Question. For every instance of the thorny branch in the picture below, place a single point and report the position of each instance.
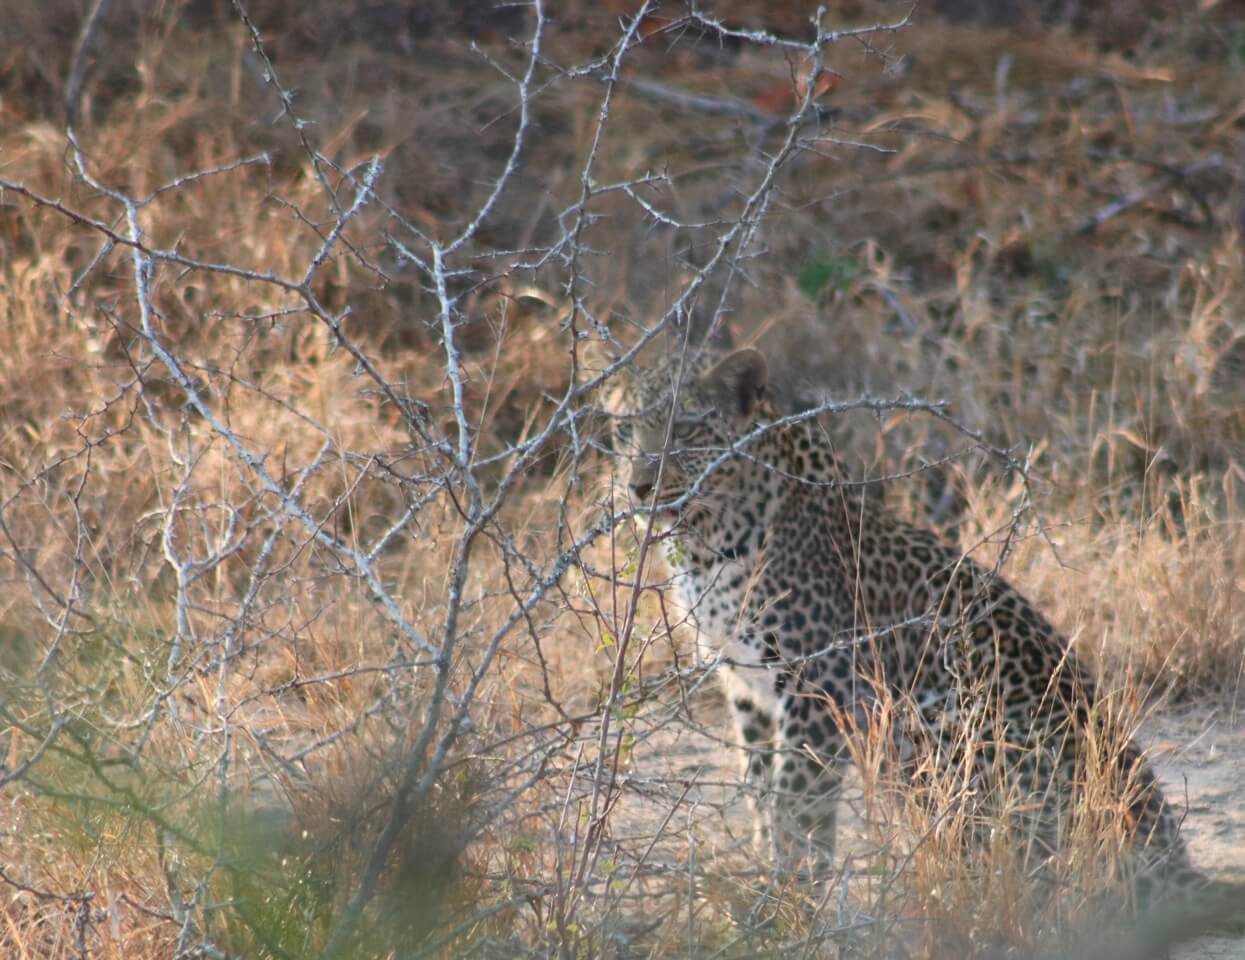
(261, 543)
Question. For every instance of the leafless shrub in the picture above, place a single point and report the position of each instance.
(324, 635)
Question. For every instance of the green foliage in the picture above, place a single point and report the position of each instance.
(282, 896)
(1236, 45)
(833, 273)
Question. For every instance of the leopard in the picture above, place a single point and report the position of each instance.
(817, 604)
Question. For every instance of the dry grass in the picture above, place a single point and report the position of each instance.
(955, 267)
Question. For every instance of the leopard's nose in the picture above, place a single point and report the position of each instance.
(641, 489)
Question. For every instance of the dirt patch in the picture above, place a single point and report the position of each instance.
(1200, 757)
(1198, 754)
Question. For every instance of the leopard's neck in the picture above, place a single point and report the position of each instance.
(778, 468)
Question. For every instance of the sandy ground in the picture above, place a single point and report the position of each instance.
(1200, 757)
(1199, 754)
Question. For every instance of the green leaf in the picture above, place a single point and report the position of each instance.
(818, 274)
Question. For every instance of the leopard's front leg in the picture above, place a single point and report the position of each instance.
(806, 780)
(754, 730)
(792, 754)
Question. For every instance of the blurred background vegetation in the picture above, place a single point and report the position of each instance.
(1032, 211)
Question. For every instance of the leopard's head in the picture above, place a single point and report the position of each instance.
(673, 421)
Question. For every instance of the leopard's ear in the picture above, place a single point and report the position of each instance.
(738, 382)
(593, 356)
(613, 395)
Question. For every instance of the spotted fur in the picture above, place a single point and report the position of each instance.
(818, 602)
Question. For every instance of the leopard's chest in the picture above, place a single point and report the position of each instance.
(715, 599)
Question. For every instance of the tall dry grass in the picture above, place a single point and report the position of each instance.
(219, 768)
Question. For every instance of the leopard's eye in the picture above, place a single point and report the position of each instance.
(622, 431)
(684, 429)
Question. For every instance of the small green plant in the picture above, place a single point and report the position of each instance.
(819, 274)
(1236, 45)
